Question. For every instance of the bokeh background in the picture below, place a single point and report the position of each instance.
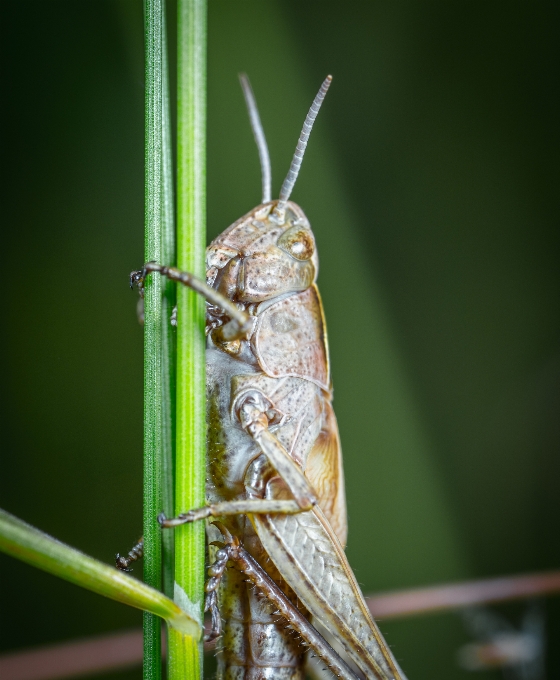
(431, 181)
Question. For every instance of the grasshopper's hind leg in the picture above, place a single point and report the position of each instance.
(215, 572)
(247, 565)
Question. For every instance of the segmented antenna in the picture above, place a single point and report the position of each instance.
(258, 133)
(293, 172)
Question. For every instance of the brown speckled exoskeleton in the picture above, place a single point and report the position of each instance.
(275, 480)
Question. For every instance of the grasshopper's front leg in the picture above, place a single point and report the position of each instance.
(237, 328)
(252, 407)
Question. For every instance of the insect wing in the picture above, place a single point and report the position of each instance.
(324, 471)
(309, 557)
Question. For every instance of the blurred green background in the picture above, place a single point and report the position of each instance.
(431, 182)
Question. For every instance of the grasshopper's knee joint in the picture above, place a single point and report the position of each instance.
(233, 331)
(256, 412)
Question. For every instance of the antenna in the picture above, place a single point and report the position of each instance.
(291, 177)
(258, 133)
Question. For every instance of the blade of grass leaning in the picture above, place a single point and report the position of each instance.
(153, 341)
(185, 655)
(169, 348)
(26, 543)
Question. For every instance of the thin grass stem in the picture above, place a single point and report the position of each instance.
(169, 346)
(26, 543)
(153, 336)
(185, 655)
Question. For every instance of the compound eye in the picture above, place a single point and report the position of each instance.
(298, 242)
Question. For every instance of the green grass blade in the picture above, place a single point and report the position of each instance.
(153, 340)
(30, 545)
(185, 660)
(169, 345)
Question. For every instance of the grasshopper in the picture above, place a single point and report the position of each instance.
(275, 479)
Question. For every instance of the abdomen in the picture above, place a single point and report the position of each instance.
(255, 644)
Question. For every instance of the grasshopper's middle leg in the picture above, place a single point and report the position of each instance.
(258, 473)
(251, 411)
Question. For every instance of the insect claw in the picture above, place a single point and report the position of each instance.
(137, 278)
(122, 563)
